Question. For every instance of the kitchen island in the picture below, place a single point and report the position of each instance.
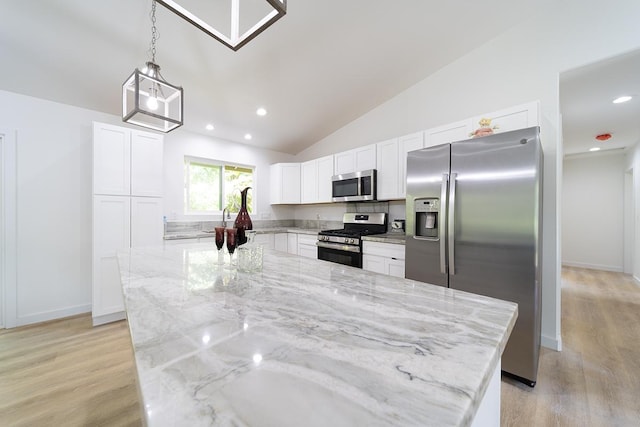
(305, 342)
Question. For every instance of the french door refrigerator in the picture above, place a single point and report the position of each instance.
(474, 223)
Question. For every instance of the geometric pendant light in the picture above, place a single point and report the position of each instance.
(147, 99)
(229, 22)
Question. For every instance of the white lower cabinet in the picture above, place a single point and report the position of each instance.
(111, 232)
(307, 246)
(280, 242)
(292, 243)
(266, 240)
(119, 222)
(384, 258)
(146, 221)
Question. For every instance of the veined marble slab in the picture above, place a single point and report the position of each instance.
(304, 343)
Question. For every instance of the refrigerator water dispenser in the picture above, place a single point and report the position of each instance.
(427, 213)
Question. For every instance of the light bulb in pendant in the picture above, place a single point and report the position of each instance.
(152, 100)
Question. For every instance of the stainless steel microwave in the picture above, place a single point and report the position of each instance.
(354, 187)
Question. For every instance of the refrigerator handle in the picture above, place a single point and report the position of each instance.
(441, 223)
(451, 220)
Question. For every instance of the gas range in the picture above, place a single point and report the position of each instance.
(345, 245)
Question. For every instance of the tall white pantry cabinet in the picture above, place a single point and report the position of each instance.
(127, 208)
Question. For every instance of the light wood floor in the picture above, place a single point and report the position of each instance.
(595, 380)
(66, 373)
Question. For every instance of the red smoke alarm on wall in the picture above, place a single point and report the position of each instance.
(603, 136)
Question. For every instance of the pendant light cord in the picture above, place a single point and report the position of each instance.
(154, 32)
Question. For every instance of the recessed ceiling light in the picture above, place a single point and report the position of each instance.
(247, 136)
(621, 99)
(210, 127)
(261, 111)
(594, 149)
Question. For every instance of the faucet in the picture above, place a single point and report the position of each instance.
(224, 221)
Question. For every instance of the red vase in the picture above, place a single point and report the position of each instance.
(243, 220)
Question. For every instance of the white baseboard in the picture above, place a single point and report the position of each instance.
(551, 343)
(52, 315)
(108, 318)
(617, 269)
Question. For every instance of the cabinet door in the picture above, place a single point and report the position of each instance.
(285, 183)
(111, 160)
(146, 164)
(513, 118)
(265, 239)
(395, 267)
(309, 182)
(373, 263)
(307, 245)
(365, 158)
(291, 183)
(414, 141)
(356, 160)
(111, 228)
(147, 228)
(325, 172)
(458, 131)
(345, 162)
(388, 169)
(280, 242)
(292, 243)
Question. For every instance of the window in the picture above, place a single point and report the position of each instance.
(211, 186)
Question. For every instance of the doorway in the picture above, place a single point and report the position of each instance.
(592, 121)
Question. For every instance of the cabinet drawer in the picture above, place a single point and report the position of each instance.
(387, 250)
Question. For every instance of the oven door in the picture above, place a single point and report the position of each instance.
(341, 254)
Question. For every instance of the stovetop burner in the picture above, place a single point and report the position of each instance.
(356, 225)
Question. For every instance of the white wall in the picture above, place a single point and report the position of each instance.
(53, 206)
(592, 211)
(633, 162)
(54, 198)
(179, 144)
(520, 65)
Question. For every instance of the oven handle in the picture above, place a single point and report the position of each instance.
(339, 247)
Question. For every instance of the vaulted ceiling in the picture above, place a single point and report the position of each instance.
(318, 68)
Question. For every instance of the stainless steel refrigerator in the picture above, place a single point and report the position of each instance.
(474, 223)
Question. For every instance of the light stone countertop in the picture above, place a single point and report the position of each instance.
(304, 342)
(180, 235)
(391, 237)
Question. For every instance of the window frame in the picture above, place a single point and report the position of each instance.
(188, 160)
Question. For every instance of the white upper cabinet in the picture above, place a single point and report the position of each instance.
(411, 142)
(513, 118)
(388, 166)
(111, 160)
(458, 131)
(325, 173)
(358, 159)
(309, 181)
(285, 183)
(146, 164)
(315, 179)
(126, 162)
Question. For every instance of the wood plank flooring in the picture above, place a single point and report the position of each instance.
(595, 380)
(67, 373)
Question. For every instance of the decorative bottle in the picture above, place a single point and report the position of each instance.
(243, 220)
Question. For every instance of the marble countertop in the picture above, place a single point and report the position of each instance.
(391, 237)
(304, 342)
(210, 233)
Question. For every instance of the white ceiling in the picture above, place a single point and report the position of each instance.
(586, 96)
(318, 68)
